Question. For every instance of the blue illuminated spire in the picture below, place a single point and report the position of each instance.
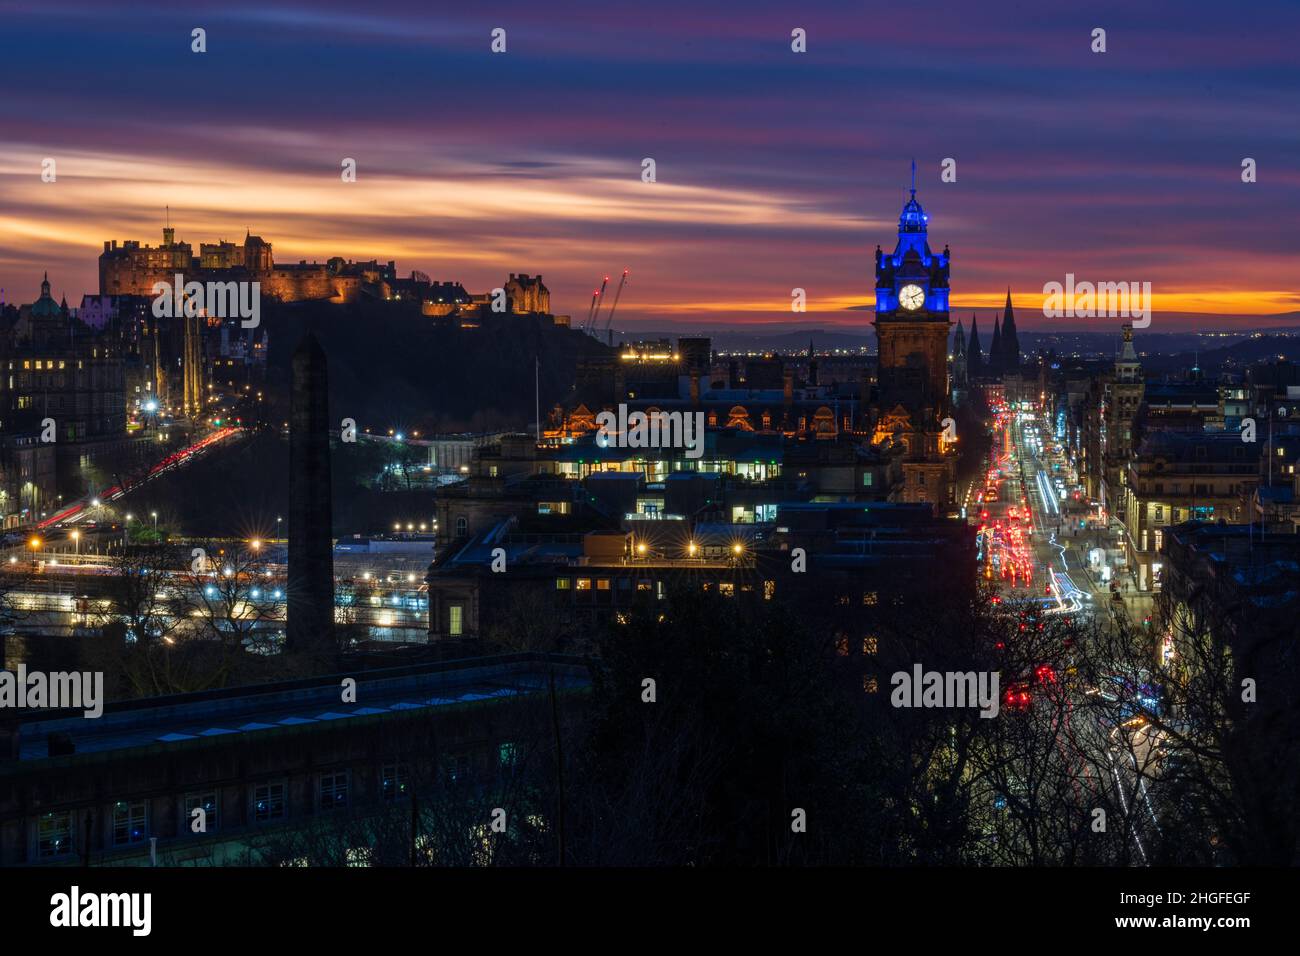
(913, 218)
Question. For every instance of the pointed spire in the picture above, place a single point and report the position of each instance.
(974, 357)
(1010, 338)
(995, 347)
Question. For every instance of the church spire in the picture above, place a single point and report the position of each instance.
(974, 358)
(1010, 339)
(995, 347)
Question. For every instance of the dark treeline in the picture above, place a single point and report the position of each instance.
(766, 740)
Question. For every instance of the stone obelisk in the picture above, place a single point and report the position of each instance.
(311, 544)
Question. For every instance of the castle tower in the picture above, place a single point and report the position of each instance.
(310, 627)
(912, 329)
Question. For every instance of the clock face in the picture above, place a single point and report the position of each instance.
(912, 297)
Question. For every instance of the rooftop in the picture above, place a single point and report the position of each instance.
(190, 719)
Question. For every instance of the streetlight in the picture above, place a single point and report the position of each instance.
(76, 540)
(154, 515)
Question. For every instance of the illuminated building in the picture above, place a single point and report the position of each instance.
(132, 269)
(1176, 477)
(912, 328)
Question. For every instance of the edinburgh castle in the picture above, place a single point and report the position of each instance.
(132, 269)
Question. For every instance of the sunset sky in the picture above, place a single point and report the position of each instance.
(775, 169)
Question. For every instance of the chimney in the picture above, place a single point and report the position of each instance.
(107, 245)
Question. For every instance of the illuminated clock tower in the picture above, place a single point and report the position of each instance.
(912, 329)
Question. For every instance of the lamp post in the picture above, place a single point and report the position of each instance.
(76, 540)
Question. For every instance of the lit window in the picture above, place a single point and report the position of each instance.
(602, 584)
(456, 620)
(869, 645)
(842, 646)
(869, 598)
(769, 588)
(869, 683)
(130, 822)
(562, 584)
(584, 584)
(54, 835)
(726, 589)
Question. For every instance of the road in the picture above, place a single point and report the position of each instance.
(1027, 544)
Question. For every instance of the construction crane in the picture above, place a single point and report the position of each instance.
(609, 333)
(600, 300)
(591, 311)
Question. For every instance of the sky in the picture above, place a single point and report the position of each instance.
(775, 170)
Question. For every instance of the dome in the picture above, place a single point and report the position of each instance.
(45, 306)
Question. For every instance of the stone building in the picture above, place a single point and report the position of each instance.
(132, 269)
(527, 294)
(1176, 477)
(912, 328)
